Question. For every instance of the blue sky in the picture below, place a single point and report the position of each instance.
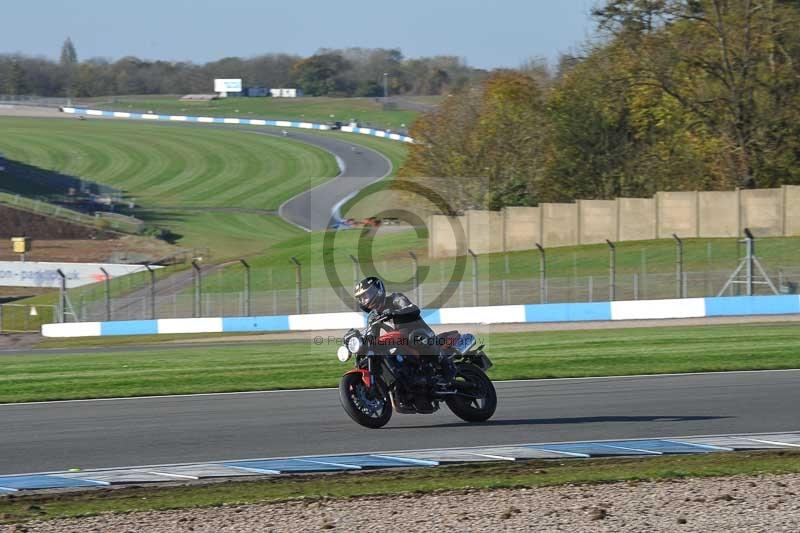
(486, 33)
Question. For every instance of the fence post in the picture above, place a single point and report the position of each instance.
(107, 292)
(356, 269)
(62, 295)
(298, 283)
(679, 266)
(612, 271)
(152, 274)
(246, 266)
(474, 277)
(197, 275)
(416, 277)
(542, 274)
(1, 318)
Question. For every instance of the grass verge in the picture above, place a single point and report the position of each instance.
(527, 474)
(161, 370)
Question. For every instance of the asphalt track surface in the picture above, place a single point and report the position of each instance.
(213, 427)
(362, 166)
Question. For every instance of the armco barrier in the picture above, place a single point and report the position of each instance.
(506, 314)
(223, 120)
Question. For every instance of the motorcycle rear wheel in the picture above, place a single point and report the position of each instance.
(360, 403)
(472, 379)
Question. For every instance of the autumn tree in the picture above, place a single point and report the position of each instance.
(490, 139)
(69, 64)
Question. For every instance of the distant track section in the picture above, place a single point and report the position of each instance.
(227, 120)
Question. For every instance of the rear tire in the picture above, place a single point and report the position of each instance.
(361, 404)
(472, 379)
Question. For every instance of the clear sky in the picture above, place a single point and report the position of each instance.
(499, 33)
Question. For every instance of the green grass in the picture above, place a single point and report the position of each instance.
(169, 167)
(524, 474)
(367, 111)
(280, 365)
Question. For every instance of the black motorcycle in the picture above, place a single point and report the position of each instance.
(396, 372)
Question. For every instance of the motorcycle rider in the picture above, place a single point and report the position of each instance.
(370, 294)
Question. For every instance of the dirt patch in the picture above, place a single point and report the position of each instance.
(16, 222)
(91, 250)
(740, 503)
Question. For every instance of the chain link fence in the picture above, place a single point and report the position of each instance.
(633, 286)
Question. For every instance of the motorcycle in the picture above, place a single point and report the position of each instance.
(393, 372)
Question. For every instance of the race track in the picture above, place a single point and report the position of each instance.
(312, 209)
(141, 431)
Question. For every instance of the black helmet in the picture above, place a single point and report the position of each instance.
(370, 293)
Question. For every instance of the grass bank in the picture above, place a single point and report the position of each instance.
(160, 369)
(526, 474)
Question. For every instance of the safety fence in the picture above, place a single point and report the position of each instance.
(191, 300)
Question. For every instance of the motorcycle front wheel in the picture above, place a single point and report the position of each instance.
(473, 381)
(366, 406)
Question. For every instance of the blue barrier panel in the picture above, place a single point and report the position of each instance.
(256, 323)
(129, 327)
(752, 305)
(431, 316)
(43, 481)
(567, 312)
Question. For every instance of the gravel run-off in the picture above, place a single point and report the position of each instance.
(738, 503)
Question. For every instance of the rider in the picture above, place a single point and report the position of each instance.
(370, 293)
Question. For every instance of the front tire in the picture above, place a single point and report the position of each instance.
(472, 380)
(364, 405)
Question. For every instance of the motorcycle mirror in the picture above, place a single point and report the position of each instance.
(343, 354)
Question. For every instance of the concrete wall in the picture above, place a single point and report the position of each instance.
(791, 210)
(485, 231)
(637, 220)
(523, 228)
(718, 213)
(559, 224)
(676, 212)
(762, 211)
(597, 221)
(767, 212)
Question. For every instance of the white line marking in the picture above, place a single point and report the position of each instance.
(764, 441)
(631, 449)
(421, 462)
(340, 465)
(542, 381)
(500, 457)
(253, 469)
(709, 446)
(573, 454)
(181, 476)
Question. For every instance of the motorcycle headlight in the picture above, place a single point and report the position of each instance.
(354, 344)
(343, 354)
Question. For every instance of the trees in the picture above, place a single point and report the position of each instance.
(489, 139)
(729, 66)
(69, 65)
(671, 95)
